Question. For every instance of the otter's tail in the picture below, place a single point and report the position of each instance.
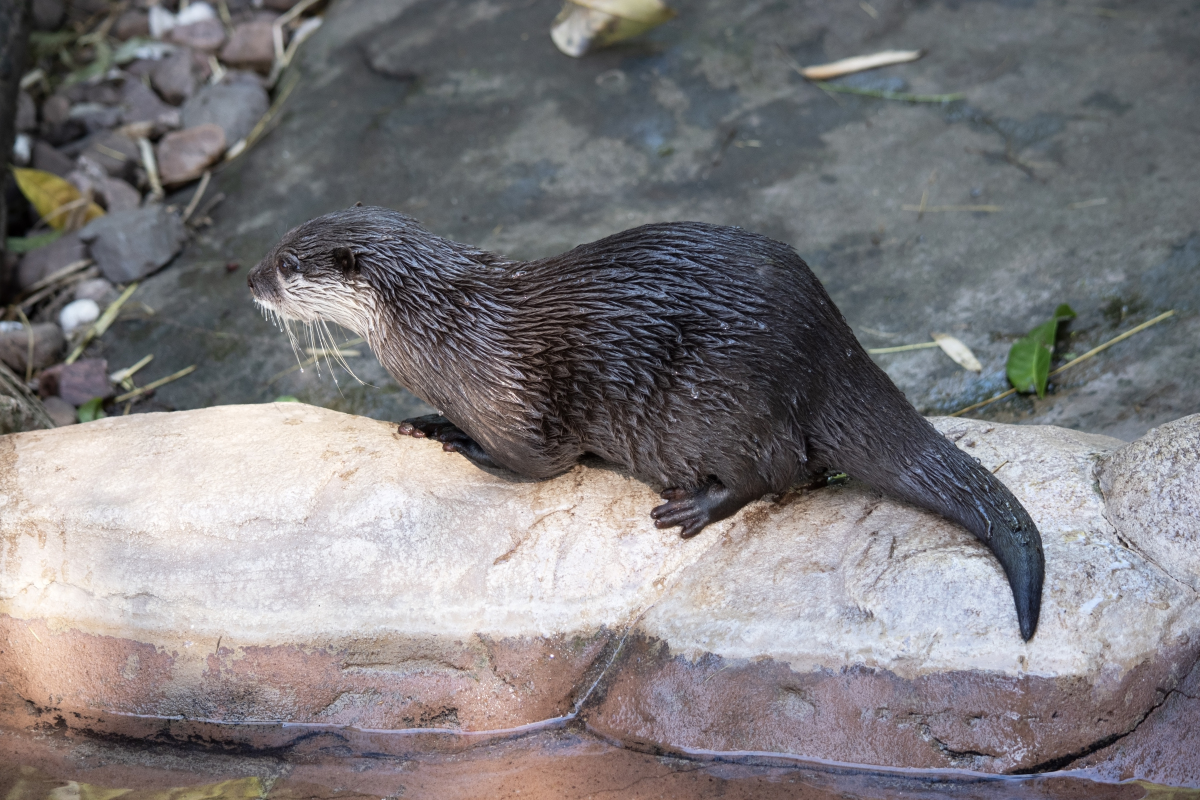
(905, 457)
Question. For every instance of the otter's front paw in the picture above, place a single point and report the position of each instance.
(431, 426)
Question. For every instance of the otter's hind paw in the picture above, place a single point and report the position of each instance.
(693, 509)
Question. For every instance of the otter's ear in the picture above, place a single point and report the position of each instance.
(343, 259)
(358, 204)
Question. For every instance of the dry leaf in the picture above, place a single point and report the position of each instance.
(53, 197)
(847, 66)
(586, 25)
(958, 351)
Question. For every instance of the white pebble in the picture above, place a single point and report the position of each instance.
(77, 314)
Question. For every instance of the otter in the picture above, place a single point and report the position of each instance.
(705, 359)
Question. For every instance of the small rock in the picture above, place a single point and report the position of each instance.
(78, 313)
(251, 46)
(207, 35)
(76, 383)
(48, 159)
(26, 119)
(139, 103)
(56, 110)
(48, 259)
(128, 245)
(236, 106)
(48, 14)
(22, 151)
(116, 153)
(184, 155)
(14, 345)
(174, 78)
(134, 22)
(62, 412)
(98, 289)
(95, 116)
(117, 195)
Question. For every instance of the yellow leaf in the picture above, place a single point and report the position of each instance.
(53, 197)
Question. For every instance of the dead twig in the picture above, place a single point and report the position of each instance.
(149, 387)
(197, 195)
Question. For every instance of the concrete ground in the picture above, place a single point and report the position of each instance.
(1081, 124)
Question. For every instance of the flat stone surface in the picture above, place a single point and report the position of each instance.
(127, 245)
(467, 117)
(184, 155)
(284, 562)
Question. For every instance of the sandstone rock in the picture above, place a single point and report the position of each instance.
(60, 411)
(175, 77)
(356, 577)
(1152, 488)
(206, 35)
(14, 346)
(251, 46)
(76, 383)
(128, 245)
(236, 107)
(184, 155)
(48, 259)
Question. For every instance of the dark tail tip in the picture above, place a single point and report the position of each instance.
(1020, 553)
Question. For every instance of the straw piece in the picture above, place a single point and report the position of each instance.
(101, 325)
(155, 384)
(847, 66)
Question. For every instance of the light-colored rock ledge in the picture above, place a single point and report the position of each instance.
(284, 562)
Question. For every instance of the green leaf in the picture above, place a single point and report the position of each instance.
(91, 410)
(24, 244)
(1029, 358)
(1029, 364)
(100, 63)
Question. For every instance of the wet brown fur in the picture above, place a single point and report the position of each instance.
(708, 360)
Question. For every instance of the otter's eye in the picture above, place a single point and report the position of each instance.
(290, 263)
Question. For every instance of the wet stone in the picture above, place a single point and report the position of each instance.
(95, 116)
(115, 152)
(76, 383)
(251, 46)
(206, 34)
(48, 259)
(174, 77)
(47, 14)
(134, 22)
(236, 105)
(14, 345)
(26, 119)
(128, 245)
(48, 159)
(184, 155)
(139, 103)
(98, 289)
(60, 411)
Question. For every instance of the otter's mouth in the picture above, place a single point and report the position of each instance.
(311, 333)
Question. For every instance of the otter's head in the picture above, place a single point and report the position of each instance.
(315, 272)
